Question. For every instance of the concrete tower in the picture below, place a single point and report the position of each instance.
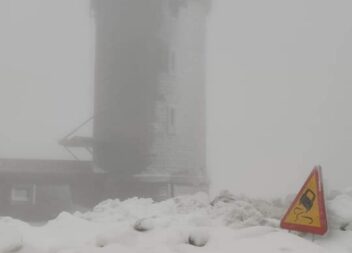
(149, 125)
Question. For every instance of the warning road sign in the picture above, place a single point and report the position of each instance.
(307, 212)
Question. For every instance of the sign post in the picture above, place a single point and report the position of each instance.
(307, 212)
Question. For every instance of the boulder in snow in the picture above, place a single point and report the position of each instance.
(198, 237)
(144, 224)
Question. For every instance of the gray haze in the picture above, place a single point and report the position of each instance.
(278, 87)
(279, 94)
(46, 70)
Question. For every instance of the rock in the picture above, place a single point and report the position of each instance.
(198, 237)
(144, 224)
(224, 196)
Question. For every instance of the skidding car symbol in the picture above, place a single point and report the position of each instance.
(307, 201)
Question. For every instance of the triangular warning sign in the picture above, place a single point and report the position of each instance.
(307, 212)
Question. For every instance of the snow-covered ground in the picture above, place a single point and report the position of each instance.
(187, 224)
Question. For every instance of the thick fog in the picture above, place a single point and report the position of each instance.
(46, 75)
(278, 88)
(279, 94)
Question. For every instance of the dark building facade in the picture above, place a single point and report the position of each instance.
(149, 123)
(38, 190)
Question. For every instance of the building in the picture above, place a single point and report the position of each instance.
(149, 120)
(37, 190)
(149, 123)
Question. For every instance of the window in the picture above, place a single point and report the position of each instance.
(167, 59)
(172, 62)
(23, 194)
(171, 126)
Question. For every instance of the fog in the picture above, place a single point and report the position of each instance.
(278, 88)
(46, 75)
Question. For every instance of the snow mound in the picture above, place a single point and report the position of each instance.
(240, 211)
(116, 210)
(243, 214)
(135, 209)
(340, 211)
(194, 210)
(191, 203)
(10, 238)
(225, 209)
(194, 223)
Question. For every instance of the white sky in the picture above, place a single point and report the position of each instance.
(279, 87)
(46, 74)
(279, 94)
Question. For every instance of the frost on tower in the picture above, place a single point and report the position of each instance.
(149, 126)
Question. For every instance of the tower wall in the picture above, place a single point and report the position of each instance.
(150, 88)
(126, 77)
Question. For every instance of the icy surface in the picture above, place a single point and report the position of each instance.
(189, 224)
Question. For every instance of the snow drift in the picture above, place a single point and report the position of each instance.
(227, 223)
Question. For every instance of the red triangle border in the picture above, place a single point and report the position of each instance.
(321, 203)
